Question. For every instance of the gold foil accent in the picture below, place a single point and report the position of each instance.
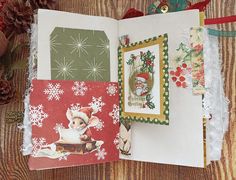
(202, 18)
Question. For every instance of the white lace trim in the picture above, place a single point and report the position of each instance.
(27, 144)
(215, 103)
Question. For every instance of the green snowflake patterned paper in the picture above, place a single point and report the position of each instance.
(79, 54)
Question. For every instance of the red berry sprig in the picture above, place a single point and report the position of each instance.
(178, 77)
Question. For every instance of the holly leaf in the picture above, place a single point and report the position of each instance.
(149, 53)
(151, 105)
(148, 97)
(150, 69)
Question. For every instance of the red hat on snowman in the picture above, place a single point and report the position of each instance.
(142, 77)
(85, 113)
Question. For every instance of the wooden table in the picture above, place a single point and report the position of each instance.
(14, 166)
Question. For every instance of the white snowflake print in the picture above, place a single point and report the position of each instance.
(64, 157)
(79, 88)
(37, 144)
(116, 141)
(53, 91)
(101, 154)
(75, 107)
(115, 114)
(58, 126)
(100, 125)
(37, 115)
(111, 90)
(97, 103)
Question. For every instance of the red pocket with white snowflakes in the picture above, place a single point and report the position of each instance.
(73, 123)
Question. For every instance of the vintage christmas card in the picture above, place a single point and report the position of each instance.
(143, 80)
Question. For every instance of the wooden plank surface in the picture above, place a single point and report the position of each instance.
(14, 166)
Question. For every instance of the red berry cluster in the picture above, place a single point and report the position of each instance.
(178, 76)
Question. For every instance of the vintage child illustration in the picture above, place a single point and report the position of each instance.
(143, 80)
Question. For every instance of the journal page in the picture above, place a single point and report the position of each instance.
(180, 142)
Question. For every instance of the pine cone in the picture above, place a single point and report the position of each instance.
(43, 4)
(7, 91)
(17, 17)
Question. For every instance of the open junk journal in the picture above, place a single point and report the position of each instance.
(94, 98)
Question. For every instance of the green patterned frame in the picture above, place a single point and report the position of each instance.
(164, 71)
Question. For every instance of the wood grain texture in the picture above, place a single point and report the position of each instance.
(14, 166)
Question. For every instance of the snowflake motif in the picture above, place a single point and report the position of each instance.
(95, 70)
(111, 90)
(64, 69)
(115, 114)
(104, 47)
(97, 103)
(116, 141)
(37, 115)
(64, 157)
(99, 126)
(75, 107)
(58, 126)
(79, 88)
(53, 92)
(37, 144)
(79, 45)
(101, 154)
(54, 43)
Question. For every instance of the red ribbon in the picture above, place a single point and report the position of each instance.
(200, 5)
(221, 20)
(132, 13)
